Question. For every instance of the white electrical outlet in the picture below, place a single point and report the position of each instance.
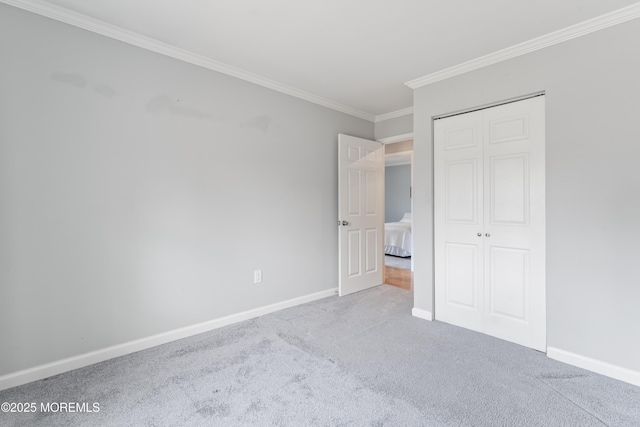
(257, 276)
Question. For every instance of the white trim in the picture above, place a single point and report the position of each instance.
(401, 158)
(422, 314)
(402, 163)
(100, 27)
(598, 23)
(396, 138)
(80, 361)
(393, 114)
(594, 365)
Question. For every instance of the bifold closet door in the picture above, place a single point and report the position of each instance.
(459, 218)
(489, 221)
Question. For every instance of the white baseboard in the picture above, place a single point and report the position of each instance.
(86, 359)
(422, 314)
(594, 365)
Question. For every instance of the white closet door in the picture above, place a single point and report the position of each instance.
(459, 217)
(514, 278)
(503, 272)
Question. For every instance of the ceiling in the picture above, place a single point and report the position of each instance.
(355, 53)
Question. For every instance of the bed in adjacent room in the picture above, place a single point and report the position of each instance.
(397, 237)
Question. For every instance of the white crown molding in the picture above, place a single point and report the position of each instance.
(604, 21)
(100, 27)
(54, 368)
(396, 138)
(401, 158)
(394, 114)
(392, 163)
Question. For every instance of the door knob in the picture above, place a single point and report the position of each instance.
(488, 235)
(479, 234)
(345, 222)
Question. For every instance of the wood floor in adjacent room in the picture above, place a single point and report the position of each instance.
(398, 277)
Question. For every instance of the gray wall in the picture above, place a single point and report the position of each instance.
(138, 193)
(393, 127)
(593, 183)
(397, 185)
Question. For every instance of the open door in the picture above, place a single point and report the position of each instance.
(360, 213)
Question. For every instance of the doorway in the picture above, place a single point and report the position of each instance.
(398, 214)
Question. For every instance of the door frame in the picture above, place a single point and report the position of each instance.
(391, 140)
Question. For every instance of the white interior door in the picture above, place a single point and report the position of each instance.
(490, 221)
(360, 213)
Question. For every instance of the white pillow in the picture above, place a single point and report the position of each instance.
(406, 217)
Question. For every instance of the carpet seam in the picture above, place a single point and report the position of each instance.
(574, 403)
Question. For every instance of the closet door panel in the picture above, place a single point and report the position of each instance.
(514, 286)
(459, 215)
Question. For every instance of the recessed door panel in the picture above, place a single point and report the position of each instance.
(461, 181)
(462, 137)
(461, 265)
(355, 245)
(354, 192)
(372, 249)
(353, 154)
(509, 282)
(371, 195)
(509, 129)
(372, 156)
(510, 195)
